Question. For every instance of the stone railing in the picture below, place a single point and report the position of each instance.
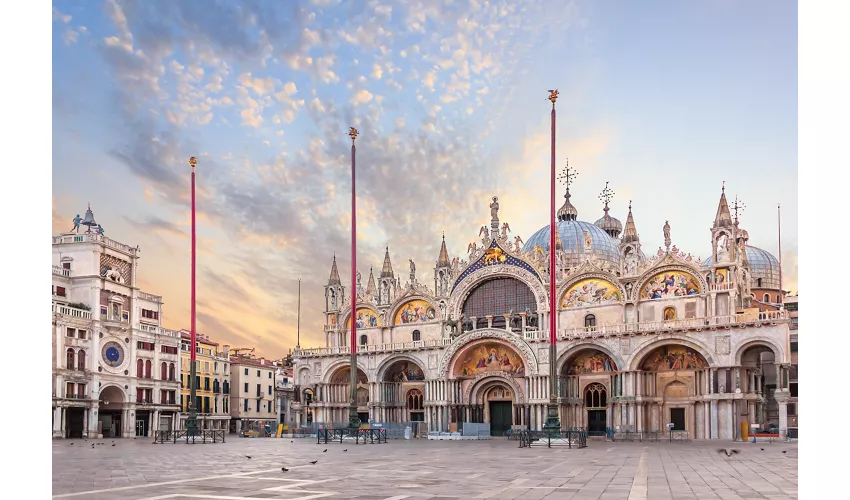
(719, 287)
(571, 333)
(71, 311)
(157, 299)
(93, 238)
(61, 271)
(158, 330)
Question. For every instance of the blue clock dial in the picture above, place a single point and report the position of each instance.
(112, 354)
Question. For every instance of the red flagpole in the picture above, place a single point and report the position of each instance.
(353, 419)
(191, 421)
(553, 311)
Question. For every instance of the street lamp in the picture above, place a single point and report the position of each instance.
(353, 419)
(553, 423)
(192, 421)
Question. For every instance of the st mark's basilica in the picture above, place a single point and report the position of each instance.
(645, 338)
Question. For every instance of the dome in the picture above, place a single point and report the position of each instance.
(609, 224)
(764, 268)
(571, 233)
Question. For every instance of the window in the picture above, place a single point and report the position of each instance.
(66, 265)
(758, 283)
(589, 321)
(206, 366)
(81, 391)
(270, 406)
(69, 390)
(414, 400)
(258, 374)
(168, 349)
(148, 369)
(60, 291)
(792, 409)
(766, 298)
(363, 339)
(163, 371)
(246, 386)
(146, 346)
(793, 346)
(70, 332)
(206, 383)
(259, 391)
(246, 404)
(140, 368)
(206, 404)
(246, 371)
(258, 406)
(793, 388)
(669, 314)
(226, 387)
(81, 334)
(148, 314)
(497, 297)
(270, 374)
(69, 359)
(417, 336)
(595, 396)
(270, 389)
(81, 360)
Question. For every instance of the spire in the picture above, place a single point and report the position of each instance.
(370, 286)
(567, 210)
(630, 234)
(723, 217)
(609, 224)
(443, 259)
(334, 279)
(387, 270)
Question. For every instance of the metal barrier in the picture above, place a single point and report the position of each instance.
(571, 438)
(201, 436)
(341, 433)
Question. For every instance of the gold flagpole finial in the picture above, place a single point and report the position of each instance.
(192, 162)
(553, 96)
(353, 133)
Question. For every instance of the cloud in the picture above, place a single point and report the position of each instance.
(156, 224)
(361, 97)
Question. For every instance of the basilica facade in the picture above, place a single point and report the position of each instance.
(644, 339)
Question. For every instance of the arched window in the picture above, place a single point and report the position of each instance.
(69, 359)
(497, 297)
(595, 396)
(417, 336)
(163, 371)
(140, 368)
(363, 339)
(766, 298)
(81, 360)
(148, 369)
(414, 400)
(589, 321)
(172, 372)
(758, 282)
(669, 313)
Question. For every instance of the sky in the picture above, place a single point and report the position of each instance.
(665, 100)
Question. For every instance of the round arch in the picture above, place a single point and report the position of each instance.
(111, 394)
(565, 356)
(344, 317)
(399, 305)
(591, 277)
(473, 280)
(655, 272)
(385, 365)
(643, 351)
(778, 352)
(448, 359)
(333, 368)
(487, 380)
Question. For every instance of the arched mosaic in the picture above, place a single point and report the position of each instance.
(670, 284)
(415, 311)
(590, 292)
(366, 318)
(404, 371)
(485, 357)
(343, 376)
(590, 361)
(673, 357)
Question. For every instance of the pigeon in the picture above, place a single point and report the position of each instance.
(784, 451)
(325, 450)
(314, 462)
(284, 469)
(248, 457)
(292, 441)
(92, 446)
(113, 444)
(762, 449)
(345, 450)
(72, 444)
(729, 453)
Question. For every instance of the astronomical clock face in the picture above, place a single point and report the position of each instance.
(113, 354)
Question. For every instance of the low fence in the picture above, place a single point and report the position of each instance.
(371, 436)
(393, 430)
(200, 436)
(572, 438)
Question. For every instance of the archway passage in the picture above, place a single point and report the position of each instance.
(586, 368)
(401, 379)
(498, 400)
(110, 403)
(337, 395)
(760, 379)
(497, 297)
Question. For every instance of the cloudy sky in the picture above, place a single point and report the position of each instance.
(664, 99)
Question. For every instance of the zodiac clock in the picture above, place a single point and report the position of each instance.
(113, 354)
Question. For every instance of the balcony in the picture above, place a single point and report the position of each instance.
(117, 318)
(590, 332)
(156, 299)
(61, 271)
(216, 390)
(158, 330)
(94, 238)
(77, 396)
(71, 311)
(144, 401)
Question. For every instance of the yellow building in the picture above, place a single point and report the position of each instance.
(212, 382)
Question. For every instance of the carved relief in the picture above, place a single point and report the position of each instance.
(432, 361)
(469, 396)
(722, 344)
(543, 354)
(115, 269)
(625, 346)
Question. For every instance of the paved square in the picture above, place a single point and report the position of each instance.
(137, 469)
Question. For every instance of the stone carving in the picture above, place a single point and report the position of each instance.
(667, 235)
(432, 361)
(115, 269)
(518, 343)
(625, 346)
(317, 367)
(543, 354)
(371, 362)
(722, 344)
(507, 379)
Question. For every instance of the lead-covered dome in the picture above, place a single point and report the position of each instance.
(764, 268)
(580, 240)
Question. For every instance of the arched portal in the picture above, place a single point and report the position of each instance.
(596, 407)
(399, 379)
(110, 403)
(675, 383)
(583, 369)
(491, 300)
(337, 395)
(759, 380)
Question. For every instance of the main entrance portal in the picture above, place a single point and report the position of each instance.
(595, 422)
(501, 417)
(677, 418)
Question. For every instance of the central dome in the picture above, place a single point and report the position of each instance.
(576, 245)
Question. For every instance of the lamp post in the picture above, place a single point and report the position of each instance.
(553, 423)
(192, 421)
(353, 419)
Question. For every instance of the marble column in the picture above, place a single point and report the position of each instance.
(58, 419)
(713, 417)
(783, 417)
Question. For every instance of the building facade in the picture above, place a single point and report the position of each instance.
(284, 396)
(252, 396)
(212, 382)
(642, 341)
(115, 369)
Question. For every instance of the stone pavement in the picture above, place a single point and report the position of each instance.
(137, 469)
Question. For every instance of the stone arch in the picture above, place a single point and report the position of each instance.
(469, 283)
(693, 272)
(397, 307)
(760, 341)
(603, 276)
(111, 394)
(385, 365)
(644, 350)
(336, 366)
(344, 317)
(565, 356)
(447, 360)
(486, 380)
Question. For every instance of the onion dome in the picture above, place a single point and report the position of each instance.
(609, 224)
(764, 268)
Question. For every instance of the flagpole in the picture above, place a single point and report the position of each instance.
(353, 419)
(192, 420)
(553, 423)
(779, 227)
